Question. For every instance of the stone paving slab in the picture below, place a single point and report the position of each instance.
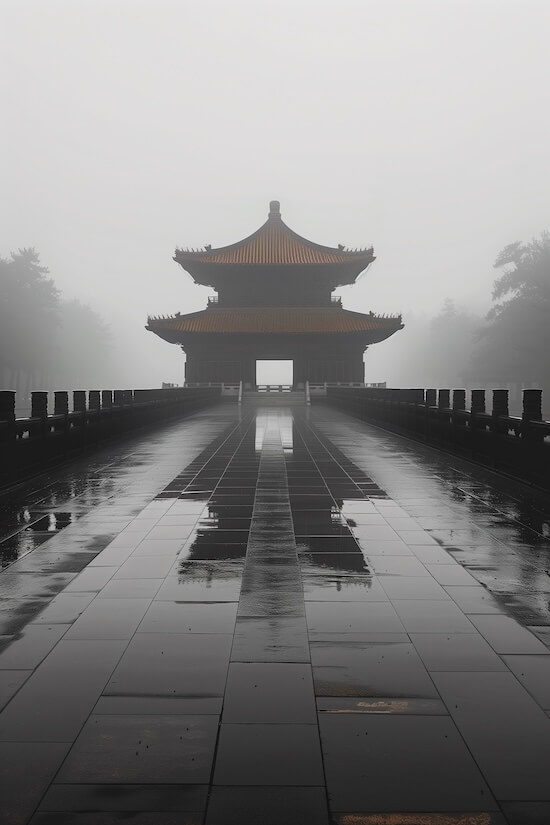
(270, 623)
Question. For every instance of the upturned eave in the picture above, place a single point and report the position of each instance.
(274, 245)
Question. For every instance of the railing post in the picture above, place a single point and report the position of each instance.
(500, 403)
(477, 407)
(417, 412)
(61, 403)
(430, 400)
(94, 400)
(7, 415)
(459, 405)
(443, 414)
(79, 407)
(61, 407)
(478, 401)
(7, 405)
(39, 404)
(532, 411)
(79, 401)
(500, 409)
(107, 410)
(459, 400)
(39, 409)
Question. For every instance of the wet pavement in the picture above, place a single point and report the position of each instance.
(278, 616)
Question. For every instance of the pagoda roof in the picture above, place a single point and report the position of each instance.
(273, 320)
(274, 244)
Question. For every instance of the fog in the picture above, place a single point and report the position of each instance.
(132, 127)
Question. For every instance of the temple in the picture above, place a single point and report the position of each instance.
(274, 301)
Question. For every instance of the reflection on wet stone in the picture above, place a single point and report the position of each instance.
(270, 608)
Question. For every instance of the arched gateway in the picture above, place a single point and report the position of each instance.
(274, 301)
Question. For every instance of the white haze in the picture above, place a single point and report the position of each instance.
(132, 127)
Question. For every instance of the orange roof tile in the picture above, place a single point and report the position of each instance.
(286, 320)
(275, 244)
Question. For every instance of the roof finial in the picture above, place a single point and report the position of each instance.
(274, 209)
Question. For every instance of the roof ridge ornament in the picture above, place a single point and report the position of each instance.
(274, 209)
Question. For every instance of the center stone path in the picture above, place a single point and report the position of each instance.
(273, 639)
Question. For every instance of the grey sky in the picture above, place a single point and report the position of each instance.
(132, 127)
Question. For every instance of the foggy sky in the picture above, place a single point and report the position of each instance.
(132, 127)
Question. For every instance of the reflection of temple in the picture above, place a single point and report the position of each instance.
(274, 301)
(324, 538)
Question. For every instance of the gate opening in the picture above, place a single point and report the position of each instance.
(274, 373)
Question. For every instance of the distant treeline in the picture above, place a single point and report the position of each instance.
(514, 340)
(508, 347)
(46, 342)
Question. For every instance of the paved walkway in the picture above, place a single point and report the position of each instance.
(263, 619)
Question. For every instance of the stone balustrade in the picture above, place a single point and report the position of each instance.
(32, 443)
(517, 445)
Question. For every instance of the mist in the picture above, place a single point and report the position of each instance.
(135, 127)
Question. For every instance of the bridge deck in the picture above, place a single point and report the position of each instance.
(279, 617)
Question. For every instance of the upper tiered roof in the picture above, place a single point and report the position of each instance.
(274, 244)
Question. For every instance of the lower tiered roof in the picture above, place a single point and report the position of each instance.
(274, 320)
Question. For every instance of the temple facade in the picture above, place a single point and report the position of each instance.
(274, 301)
